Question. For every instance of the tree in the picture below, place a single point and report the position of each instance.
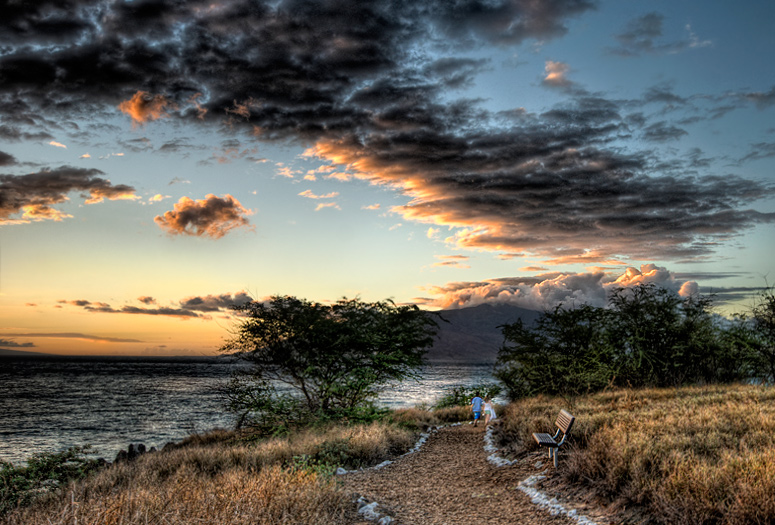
(763, 321)
(647, 336)
(322, 360)
(566, 352)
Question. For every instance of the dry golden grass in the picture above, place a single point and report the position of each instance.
(235, 496)
(694, 455)
(216, 479)
(418, 418)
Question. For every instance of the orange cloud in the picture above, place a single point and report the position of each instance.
(211, 217)
(34, 195)
(143, 107)
(324, 205)
(42, 212)
(308, 194)
(555, 73)
(100, 194)
(453, 261)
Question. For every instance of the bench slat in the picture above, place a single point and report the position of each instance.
(544, 440)
(564, 421)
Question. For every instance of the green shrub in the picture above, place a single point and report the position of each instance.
(44, 473)
(462, 395)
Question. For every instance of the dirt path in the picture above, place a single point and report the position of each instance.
(449, 481)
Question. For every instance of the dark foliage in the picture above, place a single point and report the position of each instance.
(462, 395)
(313, 361)
(647, 337)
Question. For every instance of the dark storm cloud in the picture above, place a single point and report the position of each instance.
(34, 196)
(762, 100)
(75, 335)
(640, 35)
(44, 21)
(762, 150)
(105, 308)
(287, 68)
(187, 308)
(663, 93)
(7, 159)
(644, 35)
(215, 303)
(15, 134)
(8, 343)
(557, 192)
(355, 80)
(663, 132)
(503, 22)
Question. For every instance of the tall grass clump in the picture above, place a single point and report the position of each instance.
(692, 455)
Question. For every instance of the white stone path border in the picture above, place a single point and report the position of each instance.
(528, 485)
(370, 511)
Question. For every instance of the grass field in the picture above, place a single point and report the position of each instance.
(695, 455)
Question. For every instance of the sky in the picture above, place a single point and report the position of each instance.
(161, 161)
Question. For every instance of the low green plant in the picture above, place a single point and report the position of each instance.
(44, 473)
(328, 458)
(462, 395)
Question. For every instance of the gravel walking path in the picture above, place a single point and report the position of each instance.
(449, 481)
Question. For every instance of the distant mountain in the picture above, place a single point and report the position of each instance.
(472, 335)
(5, 352)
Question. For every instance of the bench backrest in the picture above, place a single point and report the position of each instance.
(564, 421)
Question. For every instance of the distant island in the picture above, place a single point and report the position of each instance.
(6, 352)
(473, 335)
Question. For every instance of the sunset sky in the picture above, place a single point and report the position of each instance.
(160, 160)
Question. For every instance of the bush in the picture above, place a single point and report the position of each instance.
(44, 473)
(462, 395)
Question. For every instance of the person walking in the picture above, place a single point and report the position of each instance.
(489, 411)
(476, 408)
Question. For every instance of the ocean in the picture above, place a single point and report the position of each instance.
(48, 404)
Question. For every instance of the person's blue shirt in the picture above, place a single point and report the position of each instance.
(476, 404)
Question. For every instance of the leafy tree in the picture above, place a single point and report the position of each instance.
(763, 324)
(739, 358)
(313, 360)
(666, 340)
(566, 352)
(645, 326)
(648, 336)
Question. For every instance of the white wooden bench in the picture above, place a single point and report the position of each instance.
(564, 423)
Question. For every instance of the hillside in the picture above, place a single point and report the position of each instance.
(6, 352)
(472, 335)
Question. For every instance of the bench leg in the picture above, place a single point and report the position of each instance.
(555, 458)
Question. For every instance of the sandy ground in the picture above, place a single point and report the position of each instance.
(449, 481)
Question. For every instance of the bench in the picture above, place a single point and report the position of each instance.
(564, 423)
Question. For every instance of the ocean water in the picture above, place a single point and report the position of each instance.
(50, 404)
